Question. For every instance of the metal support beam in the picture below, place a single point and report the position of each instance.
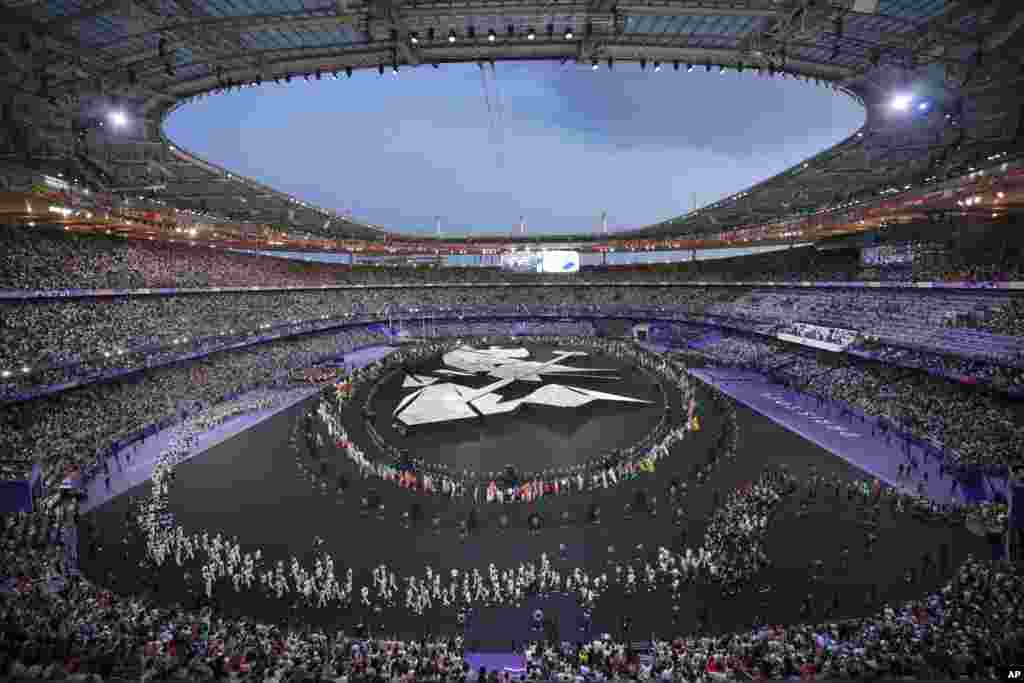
(691, 9)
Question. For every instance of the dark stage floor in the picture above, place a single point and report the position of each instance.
(252, 487)
(534, 438)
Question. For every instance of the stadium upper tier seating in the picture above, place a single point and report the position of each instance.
(51, 341)
(47, 258)
(59, 339)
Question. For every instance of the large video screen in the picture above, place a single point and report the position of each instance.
(888, 255)
(541, 261)
(560, 262)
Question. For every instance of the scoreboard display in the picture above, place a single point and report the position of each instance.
(541, 261)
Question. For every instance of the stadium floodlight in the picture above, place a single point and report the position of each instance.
(531, 34)
(118, 119)
(492, 36)
(901, 102)
(568, 34)
(451, 36)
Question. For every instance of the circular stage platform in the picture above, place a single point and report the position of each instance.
(534, 407)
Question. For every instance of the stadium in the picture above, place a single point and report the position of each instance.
(247, 437)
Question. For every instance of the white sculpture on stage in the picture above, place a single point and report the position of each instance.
(433, 401)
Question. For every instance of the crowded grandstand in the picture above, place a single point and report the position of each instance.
(779, 437)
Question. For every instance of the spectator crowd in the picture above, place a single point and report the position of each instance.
(58, 625)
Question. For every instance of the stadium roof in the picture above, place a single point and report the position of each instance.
(67, 64)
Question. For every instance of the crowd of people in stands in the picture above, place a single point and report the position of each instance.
(974, 423)
(50, 259)
(51, 342)
(1007, 320)
(58, 625)
(974, 427)
(78, 427)
(1001, 377)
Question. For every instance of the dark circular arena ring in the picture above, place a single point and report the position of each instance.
(534, 438)
(246, 486)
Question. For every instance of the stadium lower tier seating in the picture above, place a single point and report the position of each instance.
(51, 341)
(975, 426)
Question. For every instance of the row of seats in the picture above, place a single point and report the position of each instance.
(49, 342)
(978, 428)
(45, 257)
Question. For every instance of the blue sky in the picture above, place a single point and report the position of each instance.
(556, 144)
